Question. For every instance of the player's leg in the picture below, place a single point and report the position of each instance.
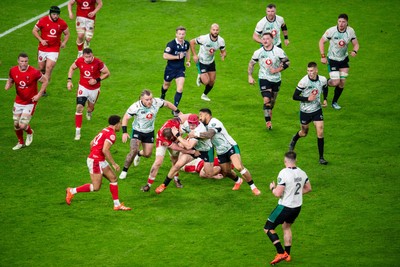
(182, 160)
(287, 237)
(147, 148)
(93, 96)
(237, 163)
(17, 113)
(305, 119)
(276, 217)
(266, 93)
(24, 125)
(319, 127)
(80, 104)
(50, 64)
(168, 77)
(160, 154)
(80, 32)
(89, 31)
(343, 73)
(133, 151)
(180, 81)
(109, 174)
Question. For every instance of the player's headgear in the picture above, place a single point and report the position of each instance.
(193, 119)
(55, 9)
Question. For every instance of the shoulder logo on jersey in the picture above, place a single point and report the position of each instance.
(168, 49)
(112, 137)
(279, 180)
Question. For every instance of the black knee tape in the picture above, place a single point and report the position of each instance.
(81, 100)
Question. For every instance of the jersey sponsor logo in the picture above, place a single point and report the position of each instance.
(85, 4)
(341, 43)
(314, 91)
(149, 116)
(273, 32)
(53, 32)
(212, 50)
(87, 73)
(22, 84)
(268, 62)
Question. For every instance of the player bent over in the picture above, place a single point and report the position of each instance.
(98, 164)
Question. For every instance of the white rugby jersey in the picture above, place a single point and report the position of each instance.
(293, 179)
(274, 27)
(338, 42)
(208, 48)
(144, 116)
(308, 87)
(222, 141)
(269, 59)
(202, 144)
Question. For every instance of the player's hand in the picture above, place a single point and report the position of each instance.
(195, 58)
(92, 81)
(174, 131)
(251, 80)
(44, 43)
(191, 134)
(116, 167)
(188, 64)
(353, 54)
(324, 60)
(287, 42)
(69, 85)
(325, 103)
(36, 97)
(63, 45)
(71, 16)
(91, 14)
(272, 185)
(125, 137)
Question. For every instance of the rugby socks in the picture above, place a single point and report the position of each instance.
(82, 189)
(167, 181)
(150, 180)
(321, 147)
(177, 98)
(125, 169)
(163, 92)
(80, 46)
(114, 191)
(295, 138)
(20, 135)
(251, 184)
(28, 130)
(267, 113)
(338, 92)
(78, 120)
(208, 89)
(287, 249)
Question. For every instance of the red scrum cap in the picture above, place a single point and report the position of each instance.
(193, 119)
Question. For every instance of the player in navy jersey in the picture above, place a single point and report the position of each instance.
(176, 53)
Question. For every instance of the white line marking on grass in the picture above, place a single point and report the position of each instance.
(29, 21)
(173, 0)
(3, 79)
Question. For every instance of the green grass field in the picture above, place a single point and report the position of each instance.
(351, 218)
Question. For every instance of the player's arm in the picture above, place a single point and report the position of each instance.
(70, 4)
(104, 73)
(66, 37)
(44, 81)
(124, 124)
(356, 46)
(322, 49)
(307, 187)
(276, 190)
(176, 147)
(256, 37)
(71, 70)
(187, 143)
(205, 135)
(107, 153)
(172, 57)
(193, 50)
(9, 84)
(172, 107)
(250, 70)
(35, 32)
(99, 5)
(285, 33)
(223, 54)
(298, 97)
